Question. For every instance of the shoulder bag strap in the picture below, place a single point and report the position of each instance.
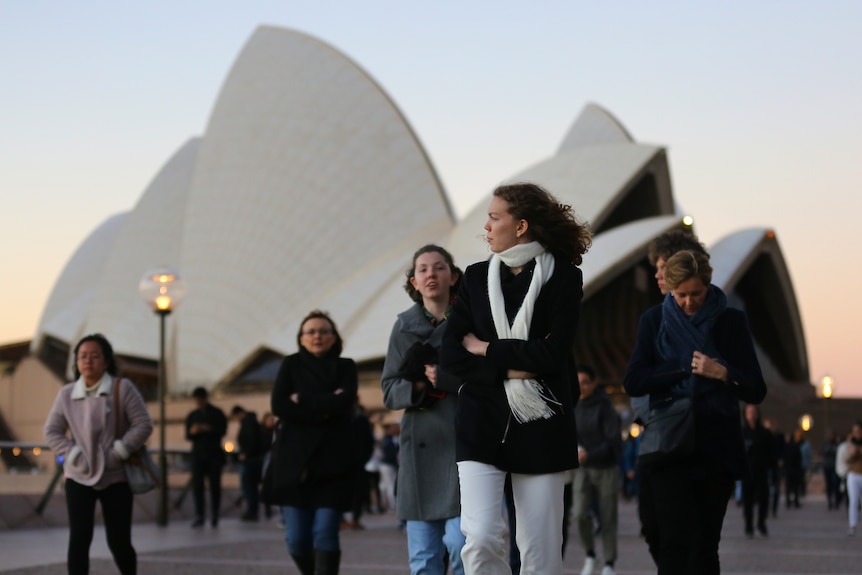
(117, 434)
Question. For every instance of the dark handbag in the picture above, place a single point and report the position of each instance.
(142, 473)
(669, 432)
(413, 369)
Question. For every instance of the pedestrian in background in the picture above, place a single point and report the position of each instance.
(830, 477)
(206, 425)
(760, 453)
(854, 476)
(597, 477)
(250, 450)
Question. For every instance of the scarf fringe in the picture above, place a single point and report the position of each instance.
(528, 401)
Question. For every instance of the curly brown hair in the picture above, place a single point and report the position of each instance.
(667, 244)
(551, 223)
(411, 271)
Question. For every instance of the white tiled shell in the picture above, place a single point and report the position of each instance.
(150, 238)
(72, 296)
(307, 178)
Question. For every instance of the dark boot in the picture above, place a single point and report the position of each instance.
(305, 563)
(326, 562)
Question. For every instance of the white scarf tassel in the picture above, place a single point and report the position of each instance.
(526, 398)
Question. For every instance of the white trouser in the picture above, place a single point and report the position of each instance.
(539, 519)
(388, 475)
(854, 492)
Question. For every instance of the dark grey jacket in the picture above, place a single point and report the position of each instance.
(427, 473)
(599, 430)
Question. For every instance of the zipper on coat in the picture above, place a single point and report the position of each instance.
(508, 423)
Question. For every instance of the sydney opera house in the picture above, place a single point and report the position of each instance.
(309, 189)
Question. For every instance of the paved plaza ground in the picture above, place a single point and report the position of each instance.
(806, 540)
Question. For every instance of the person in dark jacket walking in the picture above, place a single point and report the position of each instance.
(693, 345)
(599, 446)
(250, 450)
(794, 472)
(313, 457)
(760, 452)
(205, 427)
(510, 340)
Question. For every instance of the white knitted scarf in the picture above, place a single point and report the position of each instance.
(526, 399)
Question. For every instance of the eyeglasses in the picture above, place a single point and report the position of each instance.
(323, 331)
(93, 356)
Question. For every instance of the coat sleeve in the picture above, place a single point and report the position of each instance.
(325, 406)
(56, 427)
(140, 425)
(453, 357)
(397, 391)
(547, 354)
(611, 448)
(744, 376)
(648, 372)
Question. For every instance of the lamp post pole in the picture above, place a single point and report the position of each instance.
(162, 289)
(826, 389)
(162, 513)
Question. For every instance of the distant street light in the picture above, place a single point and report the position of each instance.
(826, 388)
(806, 422)
(162, 290)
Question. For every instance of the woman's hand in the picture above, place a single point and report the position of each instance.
(474, 345)
(431, 373)
(705, 366)
(294, 397)
(520, 374)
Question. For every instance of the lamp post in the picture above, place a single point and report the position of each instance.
(826, 389)
(162, 290)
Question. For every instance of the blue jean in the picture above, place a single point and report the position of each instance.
(307, 530)
(427, 543)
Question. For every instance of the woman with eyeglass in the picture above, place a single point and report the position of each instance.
(82, 429)
(312, 459)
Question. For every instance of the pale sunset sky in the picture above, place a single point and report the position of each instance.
(758, 103)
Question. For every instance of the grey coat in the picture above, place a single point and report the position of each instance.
(427, 486)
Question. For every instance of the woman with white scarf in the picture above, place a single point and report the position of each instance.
(510, 340)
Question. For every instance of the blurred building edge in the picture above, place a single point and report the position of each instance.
(310, 189)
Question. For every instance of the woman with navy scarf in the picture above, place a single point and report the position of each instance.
(693, 345)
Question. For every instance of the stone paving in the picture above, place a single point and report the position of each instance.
(801, 541)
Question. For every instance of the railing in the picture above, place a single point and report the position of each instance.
(32, 460)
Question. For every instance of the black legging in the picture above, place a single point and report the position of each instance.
(116, 501)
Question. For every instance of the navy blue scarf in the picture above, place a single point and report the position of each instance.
(679, 335)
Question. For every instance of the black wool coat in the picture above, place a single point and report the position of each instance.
(486, 430)
(313, 455)
(718, 432)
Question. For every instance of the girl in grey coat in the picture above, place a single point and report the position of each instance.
(428, 497)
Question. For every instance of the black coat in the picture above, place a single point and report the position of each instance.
(250, 439)
(314, 451)
(486, 430)
(718, 434)
(206, 445)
